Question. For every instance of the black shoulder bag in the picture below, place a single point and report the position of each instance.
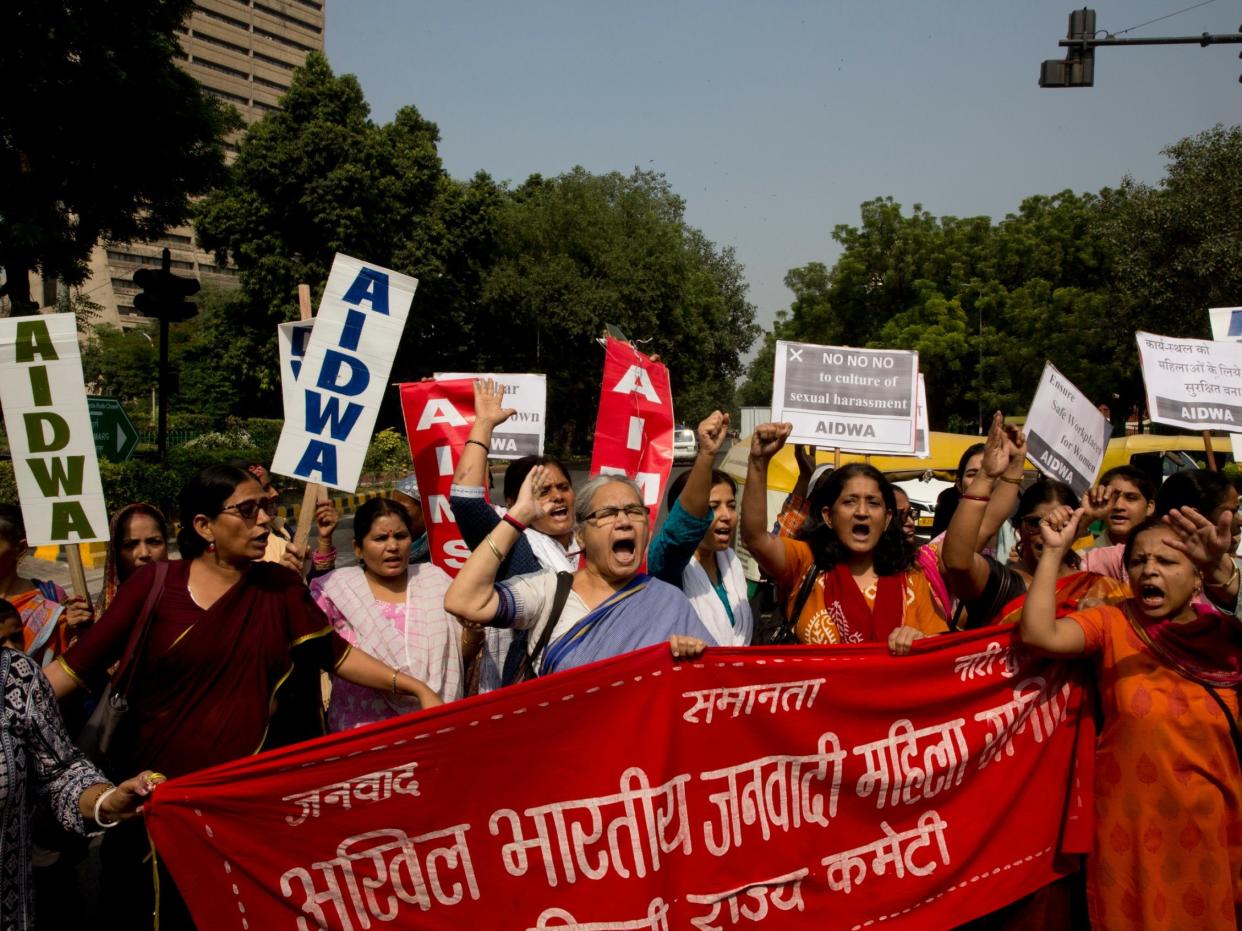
(564, 581)
(99, 733)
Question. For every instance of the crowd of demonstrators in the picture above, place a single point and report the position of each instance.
(989, 590)
(606, 608)
(227, 645)
(693, 549)
(394, 610)
(220, 639)
(1168, 790)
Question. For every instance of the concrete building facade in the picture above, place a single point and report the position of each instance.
(244, 52)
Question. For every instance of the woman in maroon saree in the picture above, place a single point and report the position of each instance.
(230, 666)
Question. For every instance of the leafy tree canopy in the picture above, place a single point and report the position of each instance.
(1066, 278)
(68, 178)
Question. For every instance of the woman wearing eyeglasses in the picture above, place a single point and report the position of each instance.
(229, 665)
(610, 606)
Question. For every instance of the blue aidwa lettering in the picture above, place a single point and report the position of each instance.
(325, 411)
(371, 286)
(335, 363)
(320, 457)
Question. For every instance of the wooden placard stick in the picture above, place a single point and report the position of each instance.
(836, 458)
(1207, 448)
(314, 492)
(77, 574)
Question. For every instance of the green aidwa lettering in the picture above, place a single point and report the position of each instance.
(34, 339)
(68, 517)
(40, 388)
(58, 478)
(37, 440)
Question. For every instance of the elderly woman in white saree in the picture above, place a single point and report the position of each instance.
(393, 610)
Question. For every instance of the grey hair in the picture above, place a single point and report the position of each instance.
(584, 501)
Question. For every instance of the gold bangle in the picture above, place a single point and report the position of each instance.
(1233, 576)
(394, 681)
(1011, 481)
(495, 549)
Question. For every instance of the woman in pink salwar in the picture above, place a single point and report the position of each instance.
(395, 611)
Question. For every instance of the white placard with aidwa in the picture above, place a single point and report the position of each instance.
(922, 428)
(1227, 327)
(522, 434)
(291, 341)
(1066, 435)
(1195, 384)
(344, 374)
(860, 400)
(48, 423)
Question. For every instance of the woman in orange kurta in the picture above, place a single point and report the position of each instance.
(1168, 789)
(850, 573)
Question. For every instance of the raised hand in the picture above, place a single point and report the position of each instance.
(998, 449)
(712, 433)
(1203, 542)
(1097, 502)
(1059, 528)
(326, 520)
(804, 455)
(768, 439)
(488, 396)
(531, 503)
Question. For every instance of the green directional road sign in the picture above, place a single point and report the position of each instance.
(115, 436)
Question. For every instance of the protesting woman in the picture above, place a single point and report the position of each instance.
(227, 652)
(990, 591)
(394, 610)
(694, 547)
(137, 535)
(548, 543)
(606, 608)
(850, 572)
(1168, 790)
(38, 761)
(51, 620)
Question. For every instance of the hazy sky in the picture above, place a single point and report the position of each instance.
(775, 120)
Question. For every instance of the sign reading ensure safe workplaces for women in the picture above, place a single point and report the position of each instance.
(1066, 434)
(860, 400)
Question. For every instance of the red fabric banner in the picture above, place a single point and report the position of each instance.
(634, 429)
(438, 415)
(795, 787)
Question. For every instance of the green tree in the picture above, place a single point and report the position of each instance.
(580, 251)
(67, 177)
(1178, 245)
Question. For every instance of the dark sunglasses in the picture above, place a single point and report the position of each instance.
(249, 510)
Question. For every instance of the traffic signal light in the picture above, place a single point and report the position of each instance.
(1078, 67)
(164, 294)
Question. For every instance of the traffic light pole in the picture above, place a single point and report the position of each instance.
(1078, 68)
(164, 297)
(162, 428)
